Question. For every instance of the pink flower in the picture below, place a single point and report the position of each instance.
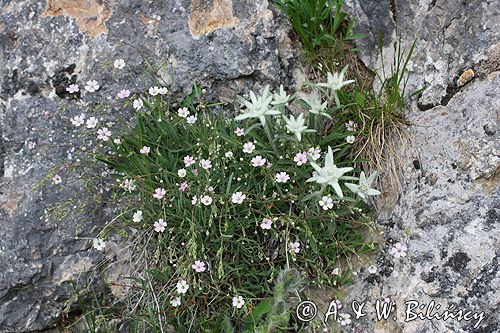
(282, 177)
(184, 187)
(73, 88)
(295, 247)
(103, 134)
(398, 251)
(160, 225)
(351, 126)
(159, 193)
(300, 158)
(123, 93)
(239, 131)
(145, 150)
(266, 224)
(258, 161)
(199, 266)
(206, 164)
(189, 160)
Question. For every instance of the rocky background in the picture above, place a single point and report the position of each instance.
(447, 213)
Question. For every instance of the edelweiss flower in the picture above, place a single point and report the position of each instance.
(238, 302)
(182, 287)
(198, 266)
(363, 189)
(335, 81)
(98, 244)
(280, 97)
(297, 126)
(316, 107)
(238, 198)
(137, 217)
(258, 107)
(160, 225)
(329, 174)
(92, 86)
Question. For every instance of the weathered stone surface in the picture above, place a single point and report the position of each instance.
(448, 212)
(47, 45)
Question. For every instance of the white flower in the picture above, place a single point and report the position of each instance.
(194, 201)
(329, 174)
(316, 107)
(238, 198)
(398, 251)
(78, 120)
(160, 225)
(124, 93)
(206, 200)
(350, 139)
(372, 269)
(118, 141)
(189, 160)
(345, 319)
(326, 202)
(258, 161)
(198, 266)
(238, 302)
(98, 244)
(137, 217)
(258, 107)
(92, 122)
(280, 97)
(248, 147)
(363, 189)
(119, 63)
(159, 193)
(239, 131)
(138, 103)
(336, 271)
(300, 158)
(103, 134)
(128, 185)
(295, 247)
(57, 179)
(92, 86)
(183, 112)
(191, 119)
(182, 287)
(153, 91)
(163, 90)
(182, 173)
(52, 94)
(175, 302)
(73, 88)
(229, 154)
(335, 81)
(266, 224)
(282, 177)
(145, 150)
(297, 126)
(206, 164)
(315, 153)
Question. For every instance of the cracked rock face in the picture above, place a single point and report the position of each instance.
(228, 47)
(448, 214)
